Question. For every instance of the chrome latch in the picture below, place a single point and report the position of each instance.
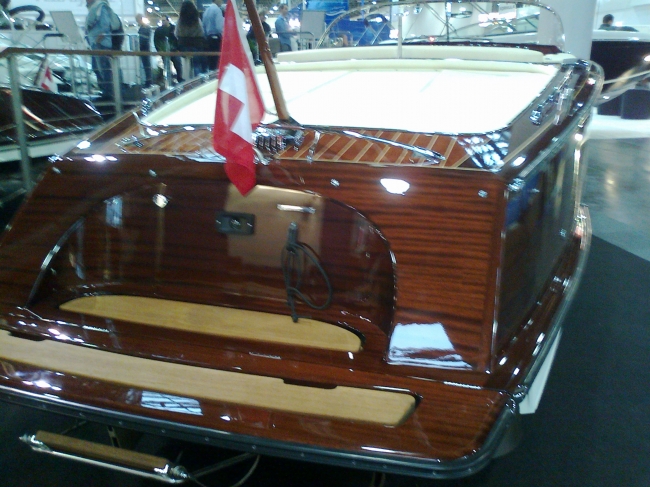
(560, 101)
(275, 140)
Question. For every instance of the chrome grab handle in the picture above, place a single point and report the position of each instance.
(299, 209)
(106, 456)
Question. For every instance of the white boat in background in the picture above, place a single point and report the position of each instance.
(622, 53)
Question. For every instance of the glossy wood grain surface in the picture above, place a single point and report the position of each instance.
(461, 253)
(449, 245)
(422, 296)
(425, 434)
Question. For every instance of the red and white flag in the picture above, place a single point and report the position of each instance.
(45, 79)
(239, 104)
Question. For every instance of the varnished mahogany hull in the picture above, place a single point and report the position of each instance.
(480, 258)
(48, 116)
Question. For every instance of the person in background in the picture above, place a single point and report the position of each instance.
(608, 23)
(144, 36)
(164, 40)
(369, 35)
(98, 35)
(213, 28)
(283, 30)
(252, 42)
(190, 35)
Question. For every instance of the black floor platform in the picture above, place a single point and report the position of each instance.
(592, 427)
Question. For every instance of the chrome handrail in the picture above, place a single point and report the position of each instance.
(169, 473)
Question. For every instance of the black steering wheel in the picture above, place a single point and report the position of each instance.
(28, 8)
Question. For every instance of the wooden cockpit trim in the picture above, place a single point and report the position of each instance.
(341, 402)
(217, 321)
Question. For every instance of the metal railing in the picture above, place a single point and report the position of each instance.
(127, 83)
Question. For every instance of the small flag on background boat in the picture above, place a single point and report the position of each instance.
(239, 104)
(45, 79)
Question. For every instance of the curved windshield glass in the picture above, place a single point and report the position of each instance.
(437, 21)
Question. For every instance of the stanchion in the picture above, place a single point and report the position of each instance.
(117, 86)
(17, 106)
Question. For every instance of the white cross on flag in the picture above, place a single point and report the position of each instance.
(45, 79)
(239, 104)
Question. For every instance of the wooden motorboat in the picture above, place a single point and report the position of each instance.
(390, 294)
(54, 123)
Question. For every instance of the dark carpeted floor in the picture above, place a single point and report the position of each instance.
(593, 425)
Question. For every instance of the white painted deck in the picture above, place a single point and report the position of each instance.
(450, 95)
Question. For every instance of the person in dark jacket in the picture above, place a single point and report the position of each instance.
(164, 40)
(608, 24)
(252, 42)
(283, 29)
(190, 35)
(98, 34)
(213, 28)
(144, 36)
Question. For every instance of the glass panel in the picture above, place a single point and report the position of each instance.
(436, 21)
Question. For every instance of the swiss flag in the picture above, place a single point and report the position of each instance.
(239, 104)
(45, 80)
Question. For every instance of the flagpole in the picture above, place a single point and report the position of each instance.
(267, 59)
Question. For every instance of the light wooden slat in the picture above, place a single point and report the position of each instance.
(218, 321)
(432, 142)
(345, 148)
(363, 151)
(333, 139)
(385, 150)
(342, 402)
(460, 161)
(405, 152)
(450, 147)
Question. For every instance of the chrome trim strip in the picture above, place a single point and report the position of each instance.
(299, 209)
(374, 461)
(162, 131)
(426, 153)
(45, 265)
(555, 146)
(583, 223)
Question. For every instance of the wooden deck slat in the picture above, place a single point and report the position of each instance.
(341, 402)
(218, 321)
